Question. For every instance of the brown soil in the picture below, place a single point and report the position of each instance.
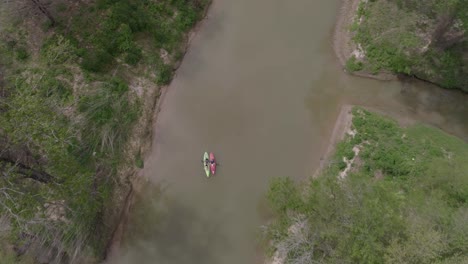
(343, 124)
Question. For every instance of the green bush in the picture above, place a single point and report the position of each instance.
(57, 50)
(416, 213)
(283, 195)
(73, 122)
(133, 56)
(139, 160)
(46, 25)
(96, 61)
(399, 36)
(51, 86)
(22, 54)
(353, 65)
(115, 34)
(108, 117)
(165, 74)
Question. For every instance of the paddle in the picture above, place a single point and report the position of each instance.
(217, 163)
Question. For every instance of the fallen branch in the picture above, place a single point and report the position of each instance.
(29, 172)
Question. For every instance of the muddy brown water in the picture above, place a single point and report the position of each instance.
(261, 88)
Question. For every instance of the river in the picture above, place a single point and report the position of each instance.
(260, 87)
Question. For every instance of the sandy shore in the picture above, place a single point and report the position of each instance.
(343, 44)
(342, 126)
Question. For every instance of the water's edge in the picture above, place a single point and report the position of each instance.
(232, 68)
(343, 44)
(136, 177)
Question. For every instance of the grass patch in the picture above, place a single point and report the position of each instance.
(119, 22)
(109, 116)
(352, 64)
(399, 36)
(165, 74)
(67, 111)
(139, 161)
(414, 211)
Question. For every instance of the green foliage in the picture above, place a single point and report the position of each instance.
(35, 121)
(362, 11)
(353, 65)
(61, 7)
(133, 56)
(448, 67)
(109, 116)
(283, 195)
(68, 111)
(22, 54)
(58, 50)
(416, 213)
(139, 161)
(119, 22)
(9, 257)
(399, 36)
(165, 74)
(31, 119)
(96, 60)
(46, 25)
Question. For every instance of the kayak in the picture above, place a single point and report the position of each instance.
(205, 165)
(212, 163)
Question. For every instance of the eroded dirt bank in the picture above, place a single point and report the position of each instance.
(142, 139)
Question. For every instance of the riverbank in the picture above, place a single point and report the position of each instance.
(86, 106)
(370, 204)
(144, 141)
(425, 43)
(343, 43)
(342, 127)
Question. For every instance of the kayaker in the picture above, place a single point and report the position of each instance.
(207, 161)
(212, 161)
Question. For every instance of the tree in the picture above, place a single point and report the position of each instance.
(445, 34)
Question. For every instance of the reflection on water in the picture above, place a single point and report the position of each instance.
(260, 87)
(166, 231)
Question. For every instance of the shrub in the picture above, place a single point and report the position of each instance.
(283, 195)
(165, 74)
(96, 60)
(57, 50)
(420, 217)
(133, 56)
(352, 64)
(139, 160)
(109, 116)
(22, 54)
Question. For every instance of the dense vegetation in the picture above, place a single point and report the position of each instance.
(405, 200)
(422, 38)
(68, 108)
